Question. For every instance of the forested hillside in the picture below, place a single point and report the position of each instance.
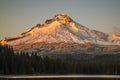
(23, 63)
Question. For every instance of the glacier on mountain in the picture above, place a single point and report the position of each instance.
(61, 28)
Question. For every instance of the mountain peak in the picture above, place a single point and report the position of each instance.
(62, 18)
(61, 28)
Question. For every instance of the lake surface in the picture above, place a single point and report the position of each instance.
(65, 79)
(61, 77)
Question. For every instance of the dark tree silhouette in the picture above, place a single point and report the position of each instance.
(23, 63)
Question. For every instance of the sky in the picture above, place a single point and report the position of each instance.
(17, 16)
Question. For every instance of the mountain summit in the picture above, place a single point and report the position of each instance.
(62, 29)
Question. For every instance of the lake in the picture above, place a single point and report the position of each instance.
(61, 77)
(64, 79)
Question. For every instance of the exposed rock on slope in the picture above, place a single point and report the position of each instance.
(62, 29)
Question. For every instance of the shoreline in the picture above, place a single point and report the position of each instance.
(59, 76)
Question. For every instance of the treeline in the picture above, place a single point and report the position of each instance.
(23, 63)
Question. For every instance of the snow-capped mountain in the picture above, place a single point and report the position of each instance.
(61, 28)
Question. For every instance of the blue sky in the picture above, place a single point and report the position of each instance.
(17, 16)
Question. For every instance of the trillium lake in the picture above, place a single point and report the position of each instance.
(60, 77)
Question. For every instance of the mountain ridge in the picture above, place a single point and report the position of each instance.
(62, 28)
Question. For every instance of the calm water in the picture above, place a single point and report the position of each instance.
(60, 77)
(65, 79)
